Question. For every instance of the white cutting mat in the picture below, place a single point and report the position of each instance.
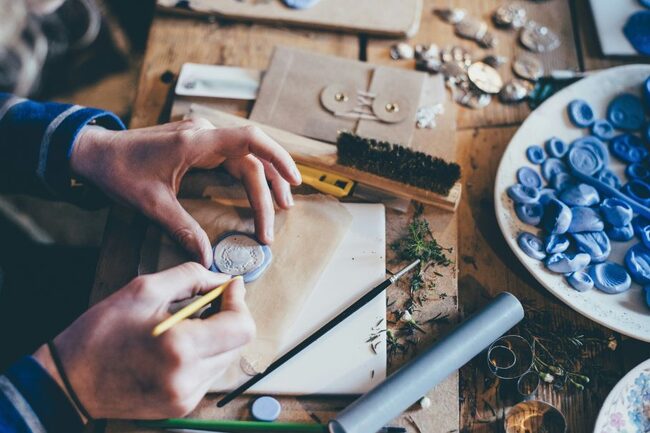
(610, 17)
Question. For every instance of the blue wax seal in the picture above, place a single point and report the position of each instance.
(608, 177)
(556, 147)
(638, 170)
(637, 190)
(266, 409)
(562, 263)
(545, 194)
(300, 4)
(581, 281)
(557, 217)
(536, 154)
(645, 3)
(552, 166)
(523, 194)
(610, 277)
(595, 144)
(646, 133)
(646, 295)
(626, 110)
(529, 213)
(639, 223)
(580, 195)
(620, 234)
(585, 219)
(616, 212)
(556, 244)
(628, 148)
(580, 113)
(595, 244)
(637, 31)
(584, 160)
(529, 177)
(602, 129)
(531, 245)
(561, 181)
(645, 236)
(637, 261)
(237, 253)
(646, 93)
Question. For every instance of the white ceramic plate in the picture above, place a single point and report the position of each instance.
(627, 407)
(626, 312)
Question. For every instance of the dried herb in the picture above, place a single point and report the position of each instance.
(420, 244)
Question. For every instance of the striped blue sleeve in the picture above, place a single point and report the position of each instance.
(36, 141)
(32, 402)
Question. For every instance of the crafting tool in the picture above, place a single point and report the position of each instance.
(408, 384)
(326, 182)
(357, 305)
(190, 309)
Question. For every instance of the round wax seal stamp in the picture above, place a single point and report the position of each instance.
(237, 253)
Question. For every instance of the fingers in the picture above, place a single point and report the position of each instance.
(280, 187)
(184, 281)
(251, 172)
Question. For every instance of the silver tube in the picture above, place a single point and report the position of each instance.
(407, 385)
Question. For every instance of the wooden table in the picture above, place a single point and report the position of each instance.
(485, 266)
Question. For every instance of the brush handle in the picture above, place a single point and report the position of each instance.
(321, 155)
(233, 426)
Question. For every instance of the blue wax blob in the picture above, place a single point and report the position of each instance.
(552, 166)
(564, 264)
(646, 93)
(536, 154)
(556, 147)
(584, 160)
(585, 219)
(638, 170)
(645, 3)
(595, 244)
(595, 144)
(557, 217)
(626, 111)
(637, 261)
(556, 244)
(637, 190)
(266, 409)
(646, 295)
(628, 148)
(580, 195)
(545, 194)
(646, 133)
(610, 277)
(529, 213)
(300, 4)
(580, 113)
(253, 274)
(529, 177)
(531, 245)
(608, 177)
(645, 236)
(581, 281)
(639, 223)
(523, 194)
(561, 181)
(602, 129)
(620, 234)
(637, 31)
(616, 212)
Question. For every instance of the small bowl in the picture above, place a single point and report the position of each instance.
(534, 416)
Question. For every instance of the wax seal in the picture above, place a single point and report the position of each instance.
(237, 253)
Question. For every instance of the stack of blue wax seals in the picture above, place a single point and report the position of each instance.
(580, 206)
(237, 253)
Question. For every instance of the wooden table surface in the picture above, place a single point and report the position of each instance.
(484, 264)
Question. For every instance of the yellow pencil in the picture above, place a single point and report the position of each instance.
(190, 309)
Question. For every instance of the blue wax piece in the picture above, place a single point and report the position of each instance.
(638, 190)
(645, 236)
(536, 154)
(266, 409)
(529, 177)
(645, 3)
(529, 213)
(626, 111)
(608, 177)
(595, 144)
(581, 281)
(300, 4)
(602, 129)
(523, 194)
(565, 264)
(252, 274)
(646, 295)
(580, 195)
(561, 181)
(556, 147)
(557, 217)
(610, 277)
(580, 113)
(531, 245)
(585, 219)
(595, 244)
(545, 194)
(637, 31)
(639, 223)
(637, 261)
(646, 133)
(628, 148)
(620, 234)
(556, 244)
(646, 93)
(638, 170)
(584, 160)
(616, 212)
(552, 166)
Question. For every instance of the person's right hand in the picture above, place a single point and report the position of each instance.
(119, 370)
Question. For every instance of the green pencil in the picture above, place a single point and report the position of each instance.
(234, 426)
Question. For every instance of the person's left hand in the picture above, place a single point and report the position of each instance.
(144, 167)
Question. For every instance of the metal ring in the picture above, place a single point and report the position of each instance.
(527, 384)
(534, 416)
(501, 357)
(523, 353)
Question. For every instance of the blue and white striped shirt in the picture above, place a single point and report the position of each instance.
(36, 141)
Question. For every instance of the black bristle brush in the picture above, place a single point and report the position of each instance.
(397, 162)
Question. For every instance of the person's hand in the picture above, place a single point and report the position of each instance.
(119, 370)
(144, 167)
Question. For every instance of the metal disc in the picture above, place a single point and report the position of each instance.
(528, 67)
(538, 38)
(485, 78)
(238, 254)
